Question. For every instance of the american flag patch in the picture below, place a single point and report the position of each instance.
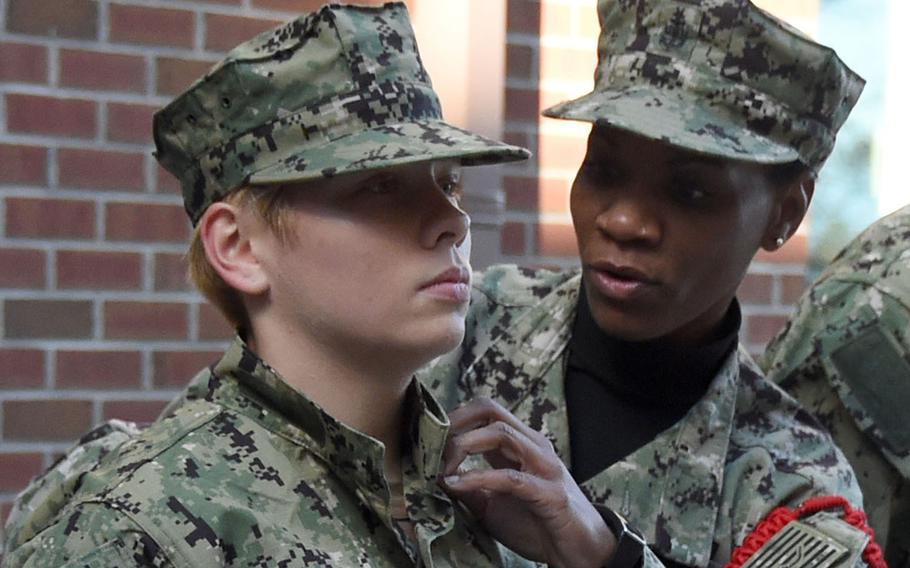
(798, 545)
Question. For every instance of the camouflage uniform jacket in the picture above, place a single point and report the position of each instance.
(845, 355)
(246, 471)
(696, 490)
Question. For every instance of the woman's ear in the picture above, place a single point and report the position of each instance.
(790, 209)
(227, 235)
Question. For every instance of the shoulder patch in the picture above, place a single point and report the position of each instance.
(798, 545)
(873, 364)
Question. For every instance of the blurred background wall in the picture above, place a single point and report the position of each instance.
(96, 318)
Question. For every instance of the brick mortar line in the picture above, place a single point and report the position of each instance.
(171, 346)
(52, 275)
(11, 447)
(53, 67)
(148, 174)
(101, 217)
(50, 265)
(147, 267)
(777, 290)
(198, 33)
(515, 216)
(100, 123)
(101, 395)
(50, 367)
(554, 218)
(2, 226)
(109, 48)
(151, 74)
(102, 196)
(519, 126)
(49, 246)
(146, 379)
(526, 84)
(104, 21)
(53, 168)
(778, 268)
(529, 232)
(2, 116)
(205, 7)
(33, 446)
(100, 295)
(43, 141)
(105, 96)
(97, 413)
(193, 322)
(522, 39)
(98, 322)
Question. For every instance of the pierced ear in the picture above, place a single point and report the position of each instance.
(228, 247)
(791, 208)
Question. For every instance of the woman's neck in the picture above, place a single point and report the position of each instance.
(354, 388)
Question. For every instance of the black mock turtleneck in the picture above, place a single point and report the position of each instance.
(620, 394)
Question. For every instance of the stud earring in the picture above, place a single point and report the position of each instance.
(779, 242)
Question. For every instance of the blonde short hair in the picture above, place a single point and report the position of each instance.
(271, 204)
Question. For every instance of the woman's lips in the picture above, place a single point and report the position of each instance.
(453, 285)
(621, 283)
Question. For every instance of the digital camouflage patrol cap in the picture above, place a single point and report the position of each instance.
(340, 90)
(721, 77)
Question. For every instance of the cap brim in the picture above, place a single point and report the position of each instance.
(385, 146)
(674, 118)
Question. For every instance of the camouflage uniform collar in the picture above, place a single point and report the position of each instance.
(243, 382)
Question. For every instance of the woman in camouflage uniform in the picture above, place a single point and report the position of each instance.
(324, 187)
(710, 120)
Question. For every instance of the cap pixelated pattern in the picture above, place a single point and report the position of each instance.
(336, 91)
(721, 77)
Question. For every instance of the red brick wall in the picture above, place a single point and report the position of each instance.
(96, 317)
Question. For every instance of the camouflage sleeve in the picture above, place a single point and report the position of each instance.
(48, 493)
(89, 535)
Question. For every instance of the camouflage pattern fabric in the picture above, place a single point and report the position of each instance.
(336, 91)
(246, 471)
(696, 490)
(845, 355)
(721, 77)
(47, 494)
